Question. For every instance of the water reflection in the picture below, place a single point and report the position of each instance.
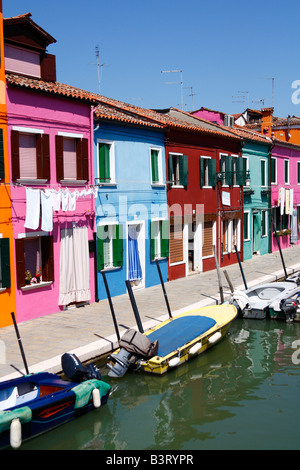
(226, 398)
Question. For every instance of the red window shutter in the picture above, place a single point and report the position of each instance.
(39, 161)
(20, 262)
(59, 157)
(85, 159)
(47, 258)
(46, 157)
(15, 164)
(79, 159)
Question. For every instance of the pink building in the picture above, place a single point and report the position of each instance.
(285, 193)
(210, 115)
(50, 128)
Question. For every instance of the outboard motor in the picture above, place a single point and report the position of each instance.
(76, 371)
(133, 346)
(241, 301)
(289, 308)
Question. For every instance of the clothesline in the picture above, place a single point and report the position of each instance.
(49, 200)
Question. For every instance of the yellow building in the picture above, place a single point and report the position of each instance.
(7, 276)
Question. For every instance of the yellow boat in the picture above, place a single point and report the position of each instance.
(172, 342)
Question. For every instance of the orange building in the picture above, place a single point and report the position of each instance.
(7, 280)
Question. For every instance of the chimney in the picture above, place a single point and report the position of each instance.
(267, 121)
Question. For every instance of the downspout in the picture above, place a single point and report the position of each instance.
(92, 179)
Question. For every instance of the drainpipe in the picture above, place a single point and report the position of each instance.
(92, 179)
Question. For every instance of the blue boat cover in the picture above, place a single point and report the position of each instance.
(179, 331)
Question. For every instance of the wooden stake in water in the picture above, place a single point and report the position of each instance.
(20, 343)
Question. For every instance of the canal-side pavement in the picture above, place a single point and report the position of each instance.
(89, 332)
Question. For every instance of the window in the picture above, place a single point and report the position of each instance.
(226, 169)
(208, 239)
(286, 172)
(264, 223)
(1, 155)
(156, 166)
(178, 169)
(298, 172)
(34, 254)
(22, 61)
(208, 176)
(110, 246)
(72, 159)
(276, 218)
(273, 170)
(263, 173)
(4, 263)
(176, 242)
(159, 241)
(30, 154)
(106, 162)
(246, 225)
(235, 234)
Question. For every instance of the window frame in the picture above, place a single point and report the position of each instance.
(117, 250)
(247, 216)
(82, 158)
(274, 159)
(263, 164)
(159, 236)
(182, 170)
(286, 171)
(298, 172)
(208, 172)
(160, 181)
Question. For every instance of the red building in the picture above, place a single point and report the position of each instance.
(205, 178)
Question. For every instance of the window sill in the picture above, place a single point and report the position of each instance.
(106, 184)
(2, 289)
(177, 186)
(113, 268)
(33, 181)
(73, 182)
(38, 285)
(158, 185)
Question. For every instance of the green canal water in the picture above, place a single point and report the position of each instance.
(242, 394)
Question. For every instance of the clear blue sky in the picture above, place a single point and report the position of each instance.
(223, 48)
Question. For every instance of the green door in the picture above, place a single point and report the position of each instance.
(256, 232)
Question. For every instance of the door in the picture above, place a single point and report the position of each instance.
(136, 254)
(256, 227)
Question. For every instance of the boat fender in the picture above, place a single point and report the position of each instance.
(194, 349)
(15, 433)
(174, 362)
(96, 398)
(215, 337)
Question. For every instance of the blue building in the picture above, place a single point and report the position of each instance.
(131, 202)
(257, 194)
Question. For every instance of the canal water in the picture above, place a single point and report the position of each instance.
(242, 394)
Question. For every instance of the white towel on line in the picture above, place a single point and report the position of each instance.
(56, 199)
(64, 200)
(47, 212)
(72, 201)
(32, 219)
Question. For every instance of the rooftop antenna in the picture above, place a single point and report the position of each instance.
(273, 80)
(181, 83)
(99, 66)
(245, 93)
(262, 101)
(243, 99)
(192, 95)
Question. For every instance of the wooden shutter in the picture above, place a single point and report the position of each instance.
(2, 174)
(202, 172)
(20, 262)
(212, 172)
(118, 246)
(241, 171)
(85, 159)
(228, 170)
(152, 240)
(170, 168)
(46, 157)
(154, 166)
(78, 159)
(59, 149)
(164, 242)
(15, 158)
(100, 254)
(104, 162)
(207, 249)
(183, 170)
(176, 243)
(47, 259)
(273, 170)
(5, 262)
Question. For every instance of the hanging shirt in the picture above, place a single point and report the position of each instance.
(32, 219)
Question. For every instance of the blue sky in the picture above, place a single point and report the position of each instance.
(223, 49)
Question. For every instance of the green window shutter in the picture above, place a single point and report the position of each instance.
(246, 228)
(152, 241)
(1, 155)
(154, 166)
(5, 263)
(118, 245)
(164, 241)
(104, 162)
(262, 172)
(183, 170)
(100, 247)
(228, 170)
(273, 170)
(201, 171)
(212, 172)
(241, 171)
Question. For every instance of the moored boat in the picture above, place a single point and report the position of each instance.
(287, 306)
(33, 404)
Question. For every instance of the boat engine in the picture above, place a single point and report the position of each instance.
(289, 308)
(133, 346)
(240, 300)
(76, 371)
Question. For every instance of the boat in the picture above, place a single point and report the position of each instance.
(36, 403)
(255, 302)
(286, 306)
(172, 342)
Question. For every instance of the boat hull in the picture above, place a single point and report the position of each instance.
(218, 319)
(60, 404)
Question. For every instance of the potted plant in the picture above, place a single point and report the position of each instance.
(27, 277)
(38, 275)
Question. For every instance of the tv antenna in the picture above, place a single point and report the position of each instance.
(177, 83)
(192, 94)
(273, 80)
(99, 66)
